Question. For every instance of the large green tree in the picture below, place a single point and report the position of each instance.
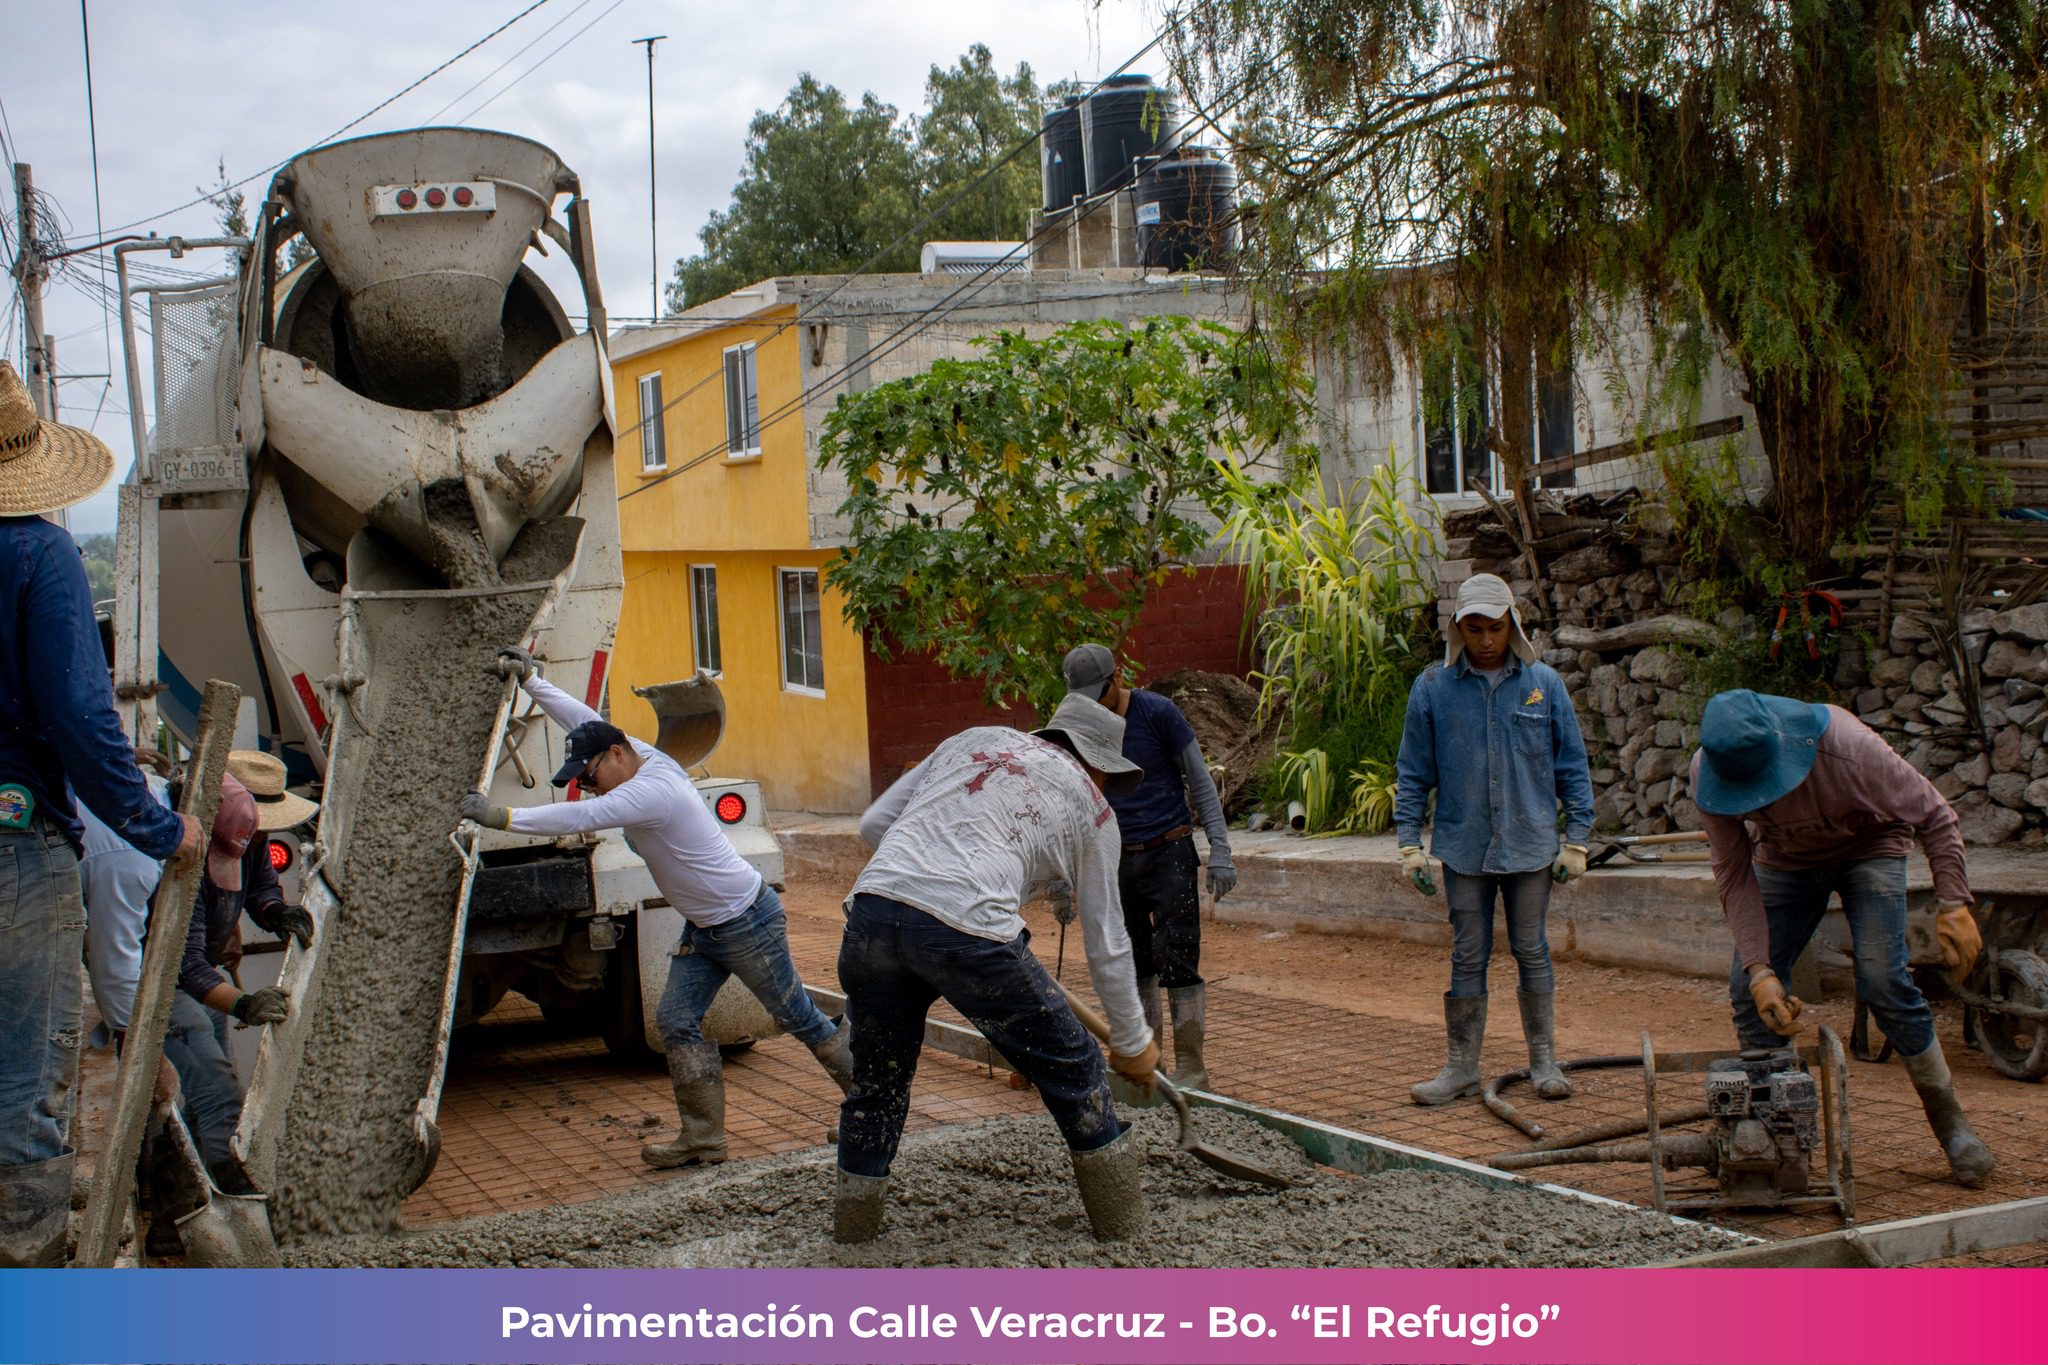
(974, 117)
(825, 186)
(1005, 507)
(1827, 192)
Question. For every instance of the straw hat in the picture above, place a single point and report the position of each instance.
(44, 466)
(263, 774)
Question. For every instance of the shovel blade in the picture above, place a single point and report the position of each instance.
(229, 1231)
(690, 717)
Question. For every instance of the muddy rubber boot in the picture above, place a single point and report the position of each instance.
(835, 1054)
(1148, 1001)
(858, 1207)
(1464, 1030)
(1969, 1160)
(1111, 1190)
(1539, 1026)
(1190, 1007)
(35, 1212)
(694, 1070)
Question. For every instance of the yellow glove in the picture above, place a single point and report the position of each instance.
(1415, 867)
(1779, 1010)
(1570, 864)
(1137, 1070)
(1955, 929)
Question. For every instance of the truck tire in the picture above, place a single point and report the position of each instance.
(622, 1023)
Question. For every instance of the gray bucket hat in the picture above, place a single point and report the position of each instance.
(1097, 734)
(1485, 594)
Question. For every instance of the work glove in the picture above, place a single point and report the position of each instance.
(1060, 896)
(281, 919)
(267, 1006)
(514, 662)
(1138, 1069)
(1955, 929)
(1222, 874)
(477, 807)
(1779, 1010)
(1415, 867)
(1570, 864)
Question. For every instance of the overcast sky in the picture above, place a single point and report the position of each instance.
(180, 86)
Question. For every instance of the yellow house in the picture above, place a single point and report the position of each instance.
(727, 525)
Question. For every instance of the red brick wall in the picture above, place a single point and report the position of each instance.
(1193, 620)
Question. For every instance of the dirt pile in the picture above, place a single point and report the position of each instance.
(347, 1156)
(1224, 711)
(1001, 1193)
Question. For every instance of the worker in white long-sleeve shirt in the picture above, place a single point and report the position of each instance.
(733, 920)
(961, 841)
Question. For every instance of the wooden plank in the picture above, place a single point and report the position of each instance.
(1621, 450)
(143, 1050)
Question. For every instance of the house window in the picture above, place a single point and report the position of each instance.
(653, 436)
(1555, 436)
(1454, 427)
(704, 617)
(742, 402)
(803, 655)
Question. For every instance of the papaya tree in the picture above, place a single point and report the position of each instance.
(1006, 506)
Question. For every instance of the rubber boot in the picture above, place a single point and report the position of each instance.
(1148, 1001)
(1190, 1007)
(1539, 1026)
(35, 1212)
(858, 1207)
(1464, 1030)
(835, 1054)
(1111, 1190)
(1969, 1160)
(699, 1081)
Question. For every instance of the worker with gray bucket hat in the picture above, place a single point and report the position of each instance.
(1157, 873)
(961, 841)
(1493, 734)
(61, 743)
(1834, 811)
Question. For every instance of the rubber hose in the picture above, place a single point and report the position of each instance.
(1507, 1113)
(1573, 1156)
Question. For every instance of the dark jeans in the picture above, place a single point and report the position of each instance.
(42, 941)
(755, 948)
(1525, 897)
(1163, 911)
(197, 1045)
(1874, 901)
(894, 961)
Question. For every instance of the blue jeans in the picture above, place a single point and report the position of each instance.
(894, 961)
(753, 947)
(197, 1044)
(1874, 901)
(42, 937)
(1525, 897)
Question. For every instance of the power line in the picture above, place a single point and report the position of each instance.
(542, 62)
(92, 129)
(489, 76)
(378, 108)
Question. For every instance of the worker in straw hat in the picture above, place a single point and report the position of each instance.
(983, 825)
(1492, 733)
(60, 738)
(1835, 811)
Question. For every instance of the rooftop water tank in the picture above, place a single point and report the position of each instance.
(1186, 210)
(1127, 117)
(1061, 168)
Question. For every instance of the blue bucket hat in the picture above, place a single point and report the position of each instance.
(1755, 748)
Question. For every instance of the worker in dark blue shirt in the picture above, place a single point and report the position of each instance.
(1158, 874)
(60, 739)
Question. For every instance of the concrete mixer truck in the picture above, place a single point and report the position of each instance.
(370, 469)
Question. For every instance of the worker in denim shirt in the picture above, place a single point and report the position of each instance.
(1493, 734)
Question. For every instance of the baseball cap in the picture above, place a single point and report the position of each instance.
(584, 743)
(234, 825)
(1089, 669)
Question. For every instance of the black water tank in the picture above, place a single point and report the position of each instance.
(1061, 167)
(1127, 117)
(1186, 210)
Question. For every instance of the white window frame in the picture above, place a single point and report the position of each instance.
(782, 630)
(1422, 425)
(653, 452)
(698, 623)
(742, 438)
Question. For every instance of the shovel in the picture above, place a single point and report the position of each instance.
(1216, 1158)
(1644, 848)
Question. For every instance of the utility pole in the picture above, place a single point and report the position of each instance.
(29, 274)
(653, 241)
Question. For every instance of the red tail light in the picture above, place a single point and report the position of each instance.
(463, 195)
(407, 199)
(436, 197)
(280, 856)
(731, 808)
